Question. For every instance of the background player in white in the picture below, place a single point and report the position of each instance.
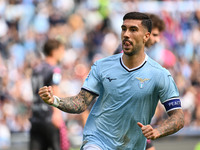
(129, 86)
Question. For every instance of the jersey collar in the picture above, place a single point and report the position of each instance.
(136, 68)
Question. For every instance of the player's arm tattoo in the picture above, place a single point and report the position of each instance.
(78, 103)
(174, 123)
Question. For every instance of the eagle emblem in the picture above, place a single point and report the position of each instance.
(141, 83)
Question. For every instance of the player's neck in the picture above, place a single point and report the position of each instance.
(134, 60)
(50, 60)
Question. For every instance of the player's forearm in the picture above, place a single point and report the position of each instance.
(73, 104)
(174, 123)
(76, 104)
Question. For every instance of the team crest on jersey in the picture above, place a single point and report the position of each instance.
(142, 81)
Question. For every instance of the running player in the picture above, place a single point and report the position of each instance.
(158, 27)
(129, 86)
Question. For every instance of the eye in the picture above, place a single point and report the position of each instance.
(123, 29)
(155, 35)
(133, 29)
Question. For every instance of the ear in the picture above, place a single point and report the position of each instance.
(146, 37)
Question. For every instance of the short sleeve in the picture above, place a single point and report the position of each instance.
(92, 82)
(168, 92)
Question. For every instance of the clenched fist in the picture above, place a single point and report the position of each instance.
(46, 94)
(148, 131)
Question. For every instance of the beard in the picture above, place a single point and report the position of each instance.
(131, 52)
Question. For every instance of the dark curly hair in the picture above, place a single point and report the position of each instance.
(157, 22)
(146, 21)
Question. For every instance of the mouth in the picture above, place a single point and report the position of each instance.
(127, 43)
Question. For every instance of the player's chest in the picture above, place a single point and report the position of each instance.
(128, 83)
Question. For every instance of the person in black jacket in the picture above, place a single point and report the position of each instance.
(46, 120)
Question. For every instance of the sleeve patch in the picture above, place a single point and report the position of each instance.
(172, 104)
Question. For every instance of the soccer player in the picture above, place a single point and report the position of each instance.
(158, 27)
(46, 120)
(129, 86)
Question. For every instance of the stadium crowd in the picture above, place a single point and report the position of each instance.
(90, 31)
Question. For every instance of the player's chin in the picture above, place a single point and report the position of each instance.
(128, 52)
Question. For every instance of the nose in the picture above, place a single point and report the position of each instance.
(126, 34)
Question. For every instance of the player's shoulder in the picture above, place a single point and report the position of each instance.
(157, 67)
(43, 67)
(110, 59)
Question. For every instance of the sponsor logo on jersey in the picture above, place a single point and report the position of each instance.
(110, 79)
(142, 81)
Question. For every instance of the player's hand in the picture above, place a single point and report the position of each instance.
(46, 94)
(148, 131)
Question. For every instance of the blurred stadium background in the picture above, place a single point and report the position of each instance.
(91, 30)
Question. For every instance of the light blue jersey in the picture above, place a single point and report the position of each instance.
(125, 98)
